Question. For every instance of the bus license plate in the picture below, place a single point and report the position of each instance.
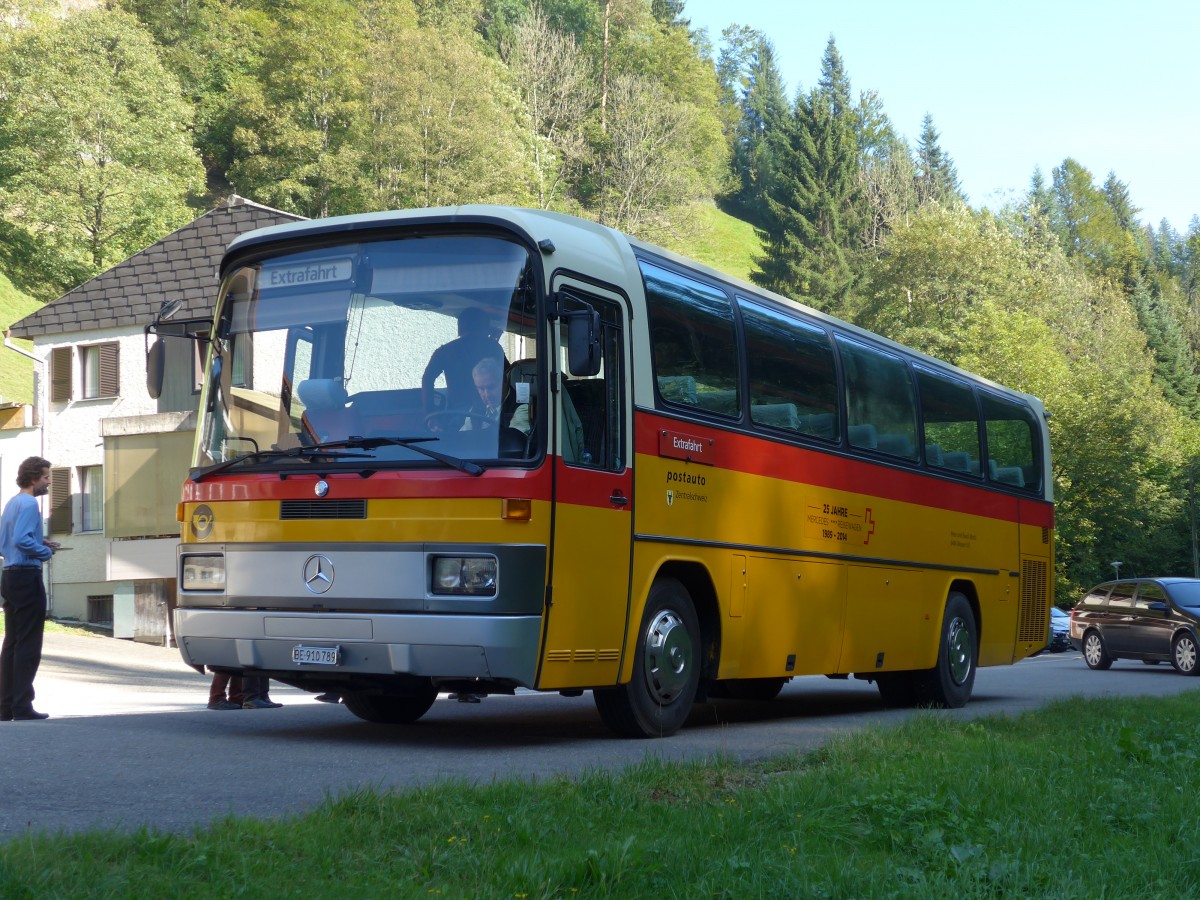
(315, 656)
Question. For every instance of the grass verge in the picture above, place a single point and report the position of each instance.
(68, 626)
(1084, 798)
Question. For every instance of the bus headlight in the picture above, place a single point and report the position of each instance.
(472, 575)
(203, 573)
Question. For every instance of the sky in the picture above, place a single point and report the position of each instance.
(1013, 85)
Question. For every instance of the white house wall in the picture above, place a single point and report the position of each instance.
(73, 439)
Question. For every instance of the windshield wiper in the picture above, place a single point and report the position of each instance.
(410, 443)
(316, 451)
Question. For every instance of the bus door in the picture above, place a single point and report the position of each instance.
(593, 501)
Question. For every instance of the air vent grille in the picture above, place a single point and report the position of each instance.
(1035, 600)
(322, 509)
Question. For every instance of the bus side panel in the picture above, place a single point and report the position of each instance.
(795, 616)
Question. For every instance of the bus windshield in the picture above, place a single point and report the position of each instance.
(403, 351)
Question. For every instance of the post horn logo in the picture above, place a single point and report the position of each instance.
(202, 522)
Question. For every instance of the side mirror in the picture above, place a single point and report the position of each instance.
(155, 366)
(583, 342)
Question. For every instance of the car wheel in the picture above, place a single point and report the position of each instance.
(666, 668)
(391, 709)
(1094, 653)
(1184, 654)
(949, 683)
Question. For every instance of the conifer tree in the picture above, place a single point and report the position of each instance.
(937, 176)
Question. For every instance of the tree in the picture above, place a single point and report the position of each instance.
(754, 80)
(97, 161)
(296, 146)
(554, 82)
(444, 124)
(937, 177)
(810, 230)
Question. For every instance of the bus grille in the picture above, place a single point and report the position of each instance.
(322, 509)
(1034, 601)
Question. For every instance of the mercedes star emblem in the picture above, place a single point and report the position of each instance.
(318, 574)
(321, 488)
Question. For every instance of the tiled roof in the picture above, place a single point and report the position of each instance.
(183, 264)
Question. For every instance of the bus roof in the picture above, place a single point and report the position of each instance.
(606, 248)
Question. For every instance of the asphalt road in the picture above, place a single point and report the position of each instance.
(131, 744)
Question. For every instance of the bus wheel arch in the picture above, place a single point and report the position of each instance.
(968, 590)
(668, 649)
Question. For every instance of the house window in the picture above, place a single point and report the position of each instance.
(100, 369)
(60, 373)
(100, 609)
(91, 483)
(60, 501)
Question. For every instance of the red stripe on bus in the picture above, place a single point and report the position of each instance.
(757, 456)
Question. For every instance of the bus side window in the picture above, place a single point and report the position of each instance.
(879, 393)
(951, 418)
(1012, 435)
(693, 342)
(793, 377)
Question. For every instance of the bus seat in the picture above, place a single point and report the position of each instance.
(864, 436)
(777, 415)
(325, 409)
(933, 455)
(678, 388)
(818, 425)
(897, 445)
(1011, 475)
(719, 401)
(956, 460)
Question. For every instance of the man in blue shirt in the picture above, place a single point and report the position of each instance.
(24, 550)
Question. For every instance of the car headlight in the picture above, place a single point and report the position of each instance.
(203, 573)
(470, 575)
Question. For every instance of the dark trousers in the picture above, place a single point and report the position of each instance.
(220, 683)
(24, 616)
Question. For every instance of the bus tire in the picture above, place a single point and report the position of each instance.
(949, 683)
(666, 668)
(391, 709)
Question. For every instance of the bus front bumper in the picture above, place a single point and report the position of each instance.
(428, 646)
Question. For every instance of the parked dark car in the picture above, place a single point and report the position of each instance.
(1060, 630)
(1150, 619)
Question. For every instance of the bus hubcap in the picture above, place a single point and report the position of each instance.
(959, 650)
(668, 656)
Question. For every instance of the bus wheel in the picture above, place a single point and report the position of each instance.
(949, 683)
(666, 668)
(391, 709)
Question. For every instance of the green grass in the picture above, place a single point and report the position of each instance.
(16, 371)
(1083, 799)
(725, 243)
(68, 626)
(716, 239)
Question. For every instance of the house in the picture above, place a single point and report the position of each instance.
(119, 455)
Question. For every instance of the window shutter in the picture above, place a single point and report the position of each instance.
(60, 373)
(110, 370)
(60, 501)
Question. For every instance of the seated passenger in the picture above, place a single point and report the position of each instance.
(495, 404)
(456, 359)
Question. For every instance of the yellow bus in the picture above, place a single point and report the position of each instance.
(481, 449)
